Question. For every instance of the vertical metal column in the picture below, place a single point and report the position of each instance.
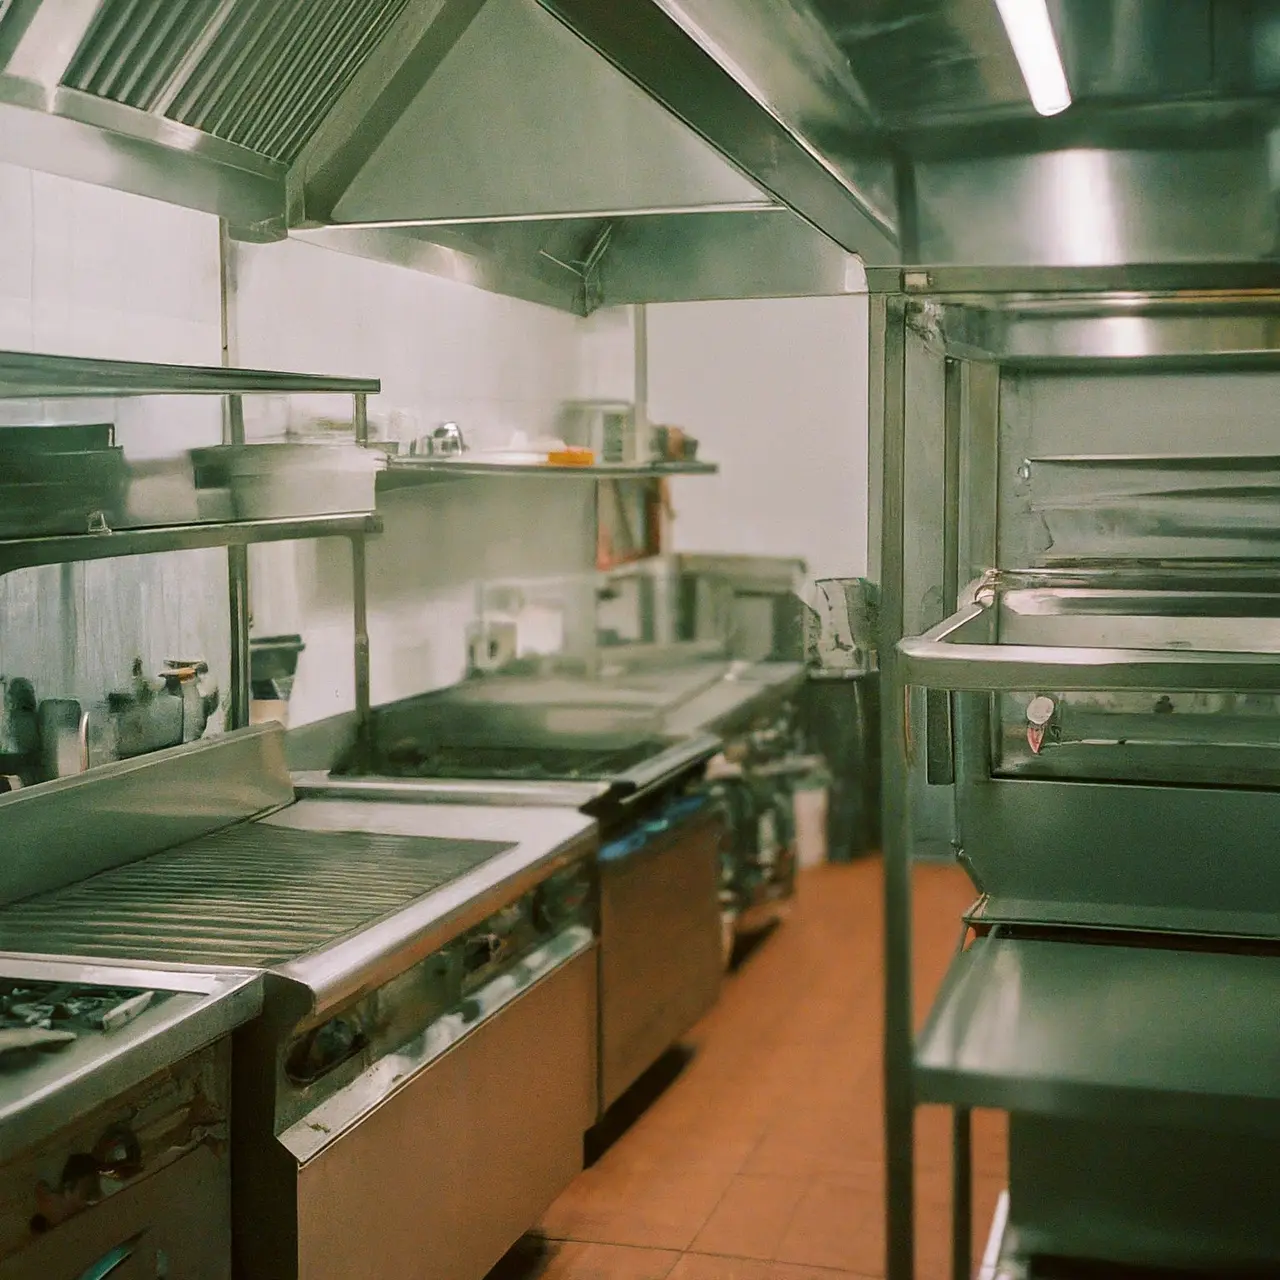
(961, 1122)
(890, 311)
(237, 557)
(961, 1194)
(360, 417)
(360, 624)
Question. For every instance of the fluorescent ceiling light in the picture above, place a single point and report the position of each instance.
(1031, 34)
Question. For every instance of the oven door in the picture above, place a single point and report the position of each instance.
(660, 938)
(175, 1223)
(440, 1177)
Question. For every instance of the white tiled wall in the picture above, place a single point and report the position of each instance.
(776, 391)
(87, 271)
(443, 351)
(91, 272)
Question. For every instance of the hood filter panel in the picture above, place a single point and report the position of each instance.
(261, 76)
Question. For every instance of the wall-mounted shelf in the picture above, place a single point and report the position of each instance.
(411, 471)
(22, 553)
(28, 375)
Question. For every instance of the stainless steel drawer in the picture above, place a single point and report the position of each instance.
(443, 1177)
(660, 948)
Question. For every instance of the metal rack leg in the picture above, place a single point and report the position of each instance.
(360, 626)
(238, 593)
(898, 1029)
(961, 1193)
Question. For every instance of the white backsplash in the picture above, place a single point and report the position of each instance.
(90, 272)
(87, 271)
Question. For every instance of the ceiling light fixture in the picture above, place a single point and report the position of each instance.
(1031, 34)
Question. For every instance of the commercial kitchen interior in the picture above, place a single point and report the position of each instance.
(638, 640)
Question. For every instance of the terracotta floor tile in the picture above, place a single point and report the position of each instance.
(803, 1143)
(752, 1217)
(763, 1158)
(649, 1204)
(572, 1260)
(991, 1144)
(698, 1266)
(838, 1224)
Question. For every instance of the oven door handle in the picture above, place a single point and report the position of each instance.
(112, 1261)
(344, 1110)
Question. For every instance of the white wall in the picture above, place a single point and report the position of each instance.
(91, 272)
(444, 351)
(776, 393)
(86, 271)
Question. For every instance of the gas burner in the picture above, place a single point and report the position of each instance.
(68, 1007)
(411, 759)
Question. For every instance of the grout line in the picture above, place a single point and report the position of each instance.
(798, 1266)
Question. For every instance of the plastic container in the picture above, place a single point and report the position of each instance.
(810, 803)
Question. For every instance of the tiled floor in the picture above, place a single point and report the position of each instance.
(763, 1158)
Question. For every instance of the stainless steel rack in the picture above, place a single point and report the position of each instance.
(34, 375)
(23, 553)
(1039, 1015)
(411, 471)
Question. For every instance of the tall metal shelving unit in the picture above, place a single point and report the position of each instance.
(35, 376)
(1174, 1031)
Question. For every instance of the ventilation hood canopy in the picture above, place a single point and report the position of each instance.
(481, 139)
(1167, 154)
(583, 152)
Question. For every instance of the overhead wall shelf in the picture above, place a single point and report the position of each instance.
(26, 375)
(21, 553)
(402, 472)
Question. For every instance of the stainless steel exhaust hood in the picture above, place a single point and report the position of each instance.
(481, 139)
(1168, 153)
(582, 152)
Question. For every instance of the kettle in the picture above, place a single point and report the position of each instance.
(151, 715)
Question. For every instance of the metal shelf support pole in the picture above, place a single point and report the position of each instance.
(360, 416)
(360, 624)
(898, 1033)
(961, 1193)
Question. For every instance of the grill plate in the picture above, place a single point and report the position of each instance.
(253, 894)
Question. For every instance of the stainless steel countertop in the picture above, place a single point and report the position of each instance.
(213, 999)
(126, 916)
(60, 1086)
(714, 707)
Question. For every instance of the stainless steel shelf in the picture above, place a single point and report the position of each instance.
(1143, 1034)
(410, 471)
(26, 375)
(946, 658)
(21, 553)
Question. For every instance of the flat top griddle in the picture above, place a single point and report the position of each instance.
(253, 895)
(410, 759)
